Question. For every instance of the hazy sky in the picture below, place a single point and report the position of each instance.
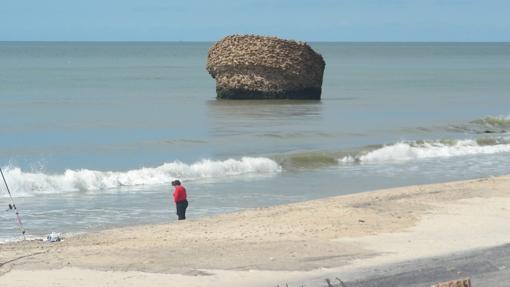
(308, 20)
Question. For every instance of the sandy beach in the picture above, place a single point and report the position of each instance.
(269, 246)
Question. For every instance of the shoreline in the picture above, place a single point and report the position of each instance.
(285, 243)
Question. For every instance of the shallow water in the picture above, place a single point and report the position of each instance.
(93, 133)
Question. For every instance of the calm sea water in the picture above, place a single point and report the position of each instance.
(92, 133)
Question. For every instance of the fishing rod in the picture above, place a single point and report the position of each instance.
(13, 206)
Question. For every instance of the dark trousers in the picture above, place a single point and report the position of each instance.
(181, 209)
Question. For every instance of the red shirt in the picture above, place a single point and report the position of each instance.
(179, 193)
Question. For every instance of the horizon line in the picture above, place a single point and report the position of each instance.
(212, 41)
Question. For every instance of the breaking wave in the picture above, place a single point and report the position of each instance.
(307, 160)
(486, 125)
(494, 122)
(416, 150)
(26, 183)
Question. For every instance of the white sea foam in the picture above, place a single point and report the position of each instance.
(28, 183)
(405, 151)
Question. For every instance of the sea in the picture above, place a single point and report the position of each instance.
(93, 133)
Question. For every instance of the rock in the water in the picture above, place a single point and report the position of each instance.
(259, 67)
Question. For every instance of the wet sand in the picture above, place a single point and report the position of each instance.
(269, 246)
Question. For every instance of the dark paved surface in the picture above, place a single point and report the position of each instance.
(486, 268)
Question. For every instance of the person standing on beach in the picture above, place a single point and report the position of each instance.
(180, 199)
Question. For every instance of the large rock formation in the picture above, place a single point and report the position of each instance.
(259, 67)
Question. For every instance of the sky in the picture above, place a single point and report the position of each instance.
(306, 20)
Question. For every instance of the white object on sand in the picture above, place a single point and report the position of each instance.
(54, 237)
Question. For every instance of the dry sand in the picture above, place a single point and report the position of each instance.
(269, 246)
